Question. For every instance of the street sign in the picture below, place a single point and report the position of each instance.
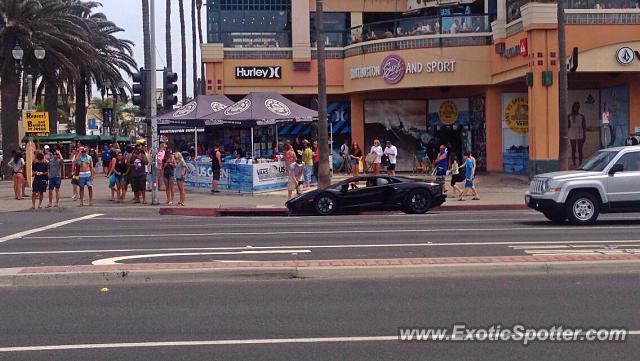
(35, 122)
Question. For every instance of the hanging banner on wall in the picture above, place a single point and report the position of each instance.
(449, 111)
(515, 132)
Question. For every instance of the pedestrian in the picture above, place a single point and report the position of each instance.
(392, 154)
(296, 170)
(376, 150)
(75, 169)
(216, 168)
(470, 169)
(147, 168)
(290, 159)
(631, 140)
(345, 165)
(120, 169)
(456, 176)
(441, 167)
(86, 174)
(138, 175)
(355, 155)
(17, 164)
(316, 159)
(307, 158)
(577, 125)
(55, 177)
(169, 175)
(298, 147)
(112, 181)
(106, 160)
(181, 172)
(40, 173)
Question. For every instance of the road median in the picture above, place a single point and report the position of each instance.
(336, 268)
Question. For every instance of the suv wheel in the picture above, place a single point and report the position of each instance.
(555, 216)
(583, 208)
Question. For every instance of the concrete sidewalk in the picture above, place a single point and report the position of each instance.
(497, 191)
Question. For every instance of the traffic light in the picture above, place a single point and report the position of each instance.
(169, 88)
(139, 89)
(107, 117)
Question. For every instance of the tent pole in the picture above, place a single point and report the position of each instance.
(277, 140)
(253, 151)
(196, 142)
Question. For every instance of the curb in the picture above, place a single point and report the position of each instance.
(284, 212)
(326, 269)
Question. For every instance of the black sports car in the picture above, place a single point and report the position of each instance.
(370, 193)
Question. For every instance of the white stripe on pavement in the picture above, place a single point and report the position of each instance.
(334, 232)
(266, 341)
(51, 226)
(330, 246)
(115, 260)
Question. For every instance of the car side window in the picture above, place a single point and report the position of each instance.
(382, 181)
(630, 162)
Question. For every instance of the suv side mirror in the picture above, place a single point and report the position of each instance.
(616, 168)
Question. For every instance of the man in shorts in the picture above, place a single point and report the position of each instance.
(86, 173)
(138, 174)
(470, 171)
(392, 153)
(55, 177)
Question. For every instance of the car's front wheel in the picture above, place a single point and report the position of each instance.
(326, 204)
(418, 202)
(582, 208)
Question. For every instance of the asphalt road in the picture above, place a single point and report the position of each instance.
(137, 238)
(306, 311)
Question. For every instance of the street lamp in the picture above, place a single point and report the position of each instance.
(18, 56)
(39, 52)
(17, 53)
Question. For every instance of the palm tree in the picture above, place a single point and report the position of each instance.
(167, 34)
(29, 23)
(199, 8)
(113, 55)
(194, 50)
(183, 42)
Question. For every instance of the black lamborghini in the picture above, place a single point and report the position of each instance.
(370, 193)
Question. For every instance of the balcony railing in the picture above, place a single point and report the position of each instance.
(603, 4)
(241, 40)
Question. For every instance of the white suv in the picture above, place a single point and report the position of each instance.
(607, 182)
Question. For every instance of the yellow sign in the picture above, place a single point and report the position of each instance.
(35, 122)
(448, 112)
(516, 115)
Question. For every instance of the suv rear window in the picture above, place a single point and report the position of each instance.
(598, 161)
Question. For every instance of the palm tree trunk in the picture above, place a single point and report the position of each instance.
(149, 93)
(183, 41)
(9, 90)
(81, 106)
(194, 49)
(167, 35)
(563, 151)
(324, 179)
(202, 81)
(51, 103)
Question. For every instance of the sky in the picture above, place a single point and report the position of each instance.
(127, 14)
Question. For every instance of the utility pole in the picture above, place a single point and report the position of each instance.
(154, 105)
(563, 151)
(324, 180)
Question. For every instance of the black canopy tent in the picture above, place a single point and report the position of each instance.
(262, 109)
(193, 116)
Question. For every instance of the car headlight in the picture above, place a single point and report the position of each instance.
(546, 185)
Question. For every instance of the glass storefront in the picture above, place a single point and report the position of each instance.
(249, 23)
(336, 26)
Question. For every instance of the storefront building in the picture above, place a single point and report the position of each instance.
(478, 76)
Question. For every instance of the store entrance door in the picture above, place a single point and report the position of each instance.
(451, 137)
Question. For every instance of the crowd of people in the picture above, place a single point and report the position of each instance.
(123, 168)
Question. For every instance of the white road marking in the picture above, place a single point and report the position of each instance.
(115, 260)
(45, 228)
(267, 341)
(333, 232)
(416, 221)
(331, 246)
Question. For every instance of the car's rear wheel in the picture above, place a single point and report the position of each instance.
(417, 202)
(582, 208)
(555, 216)
(326, 204)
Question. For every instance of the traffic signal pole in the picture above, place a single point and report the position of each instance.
(153, 106)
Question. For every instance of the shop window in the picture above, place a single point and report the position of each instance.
(336, 27)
